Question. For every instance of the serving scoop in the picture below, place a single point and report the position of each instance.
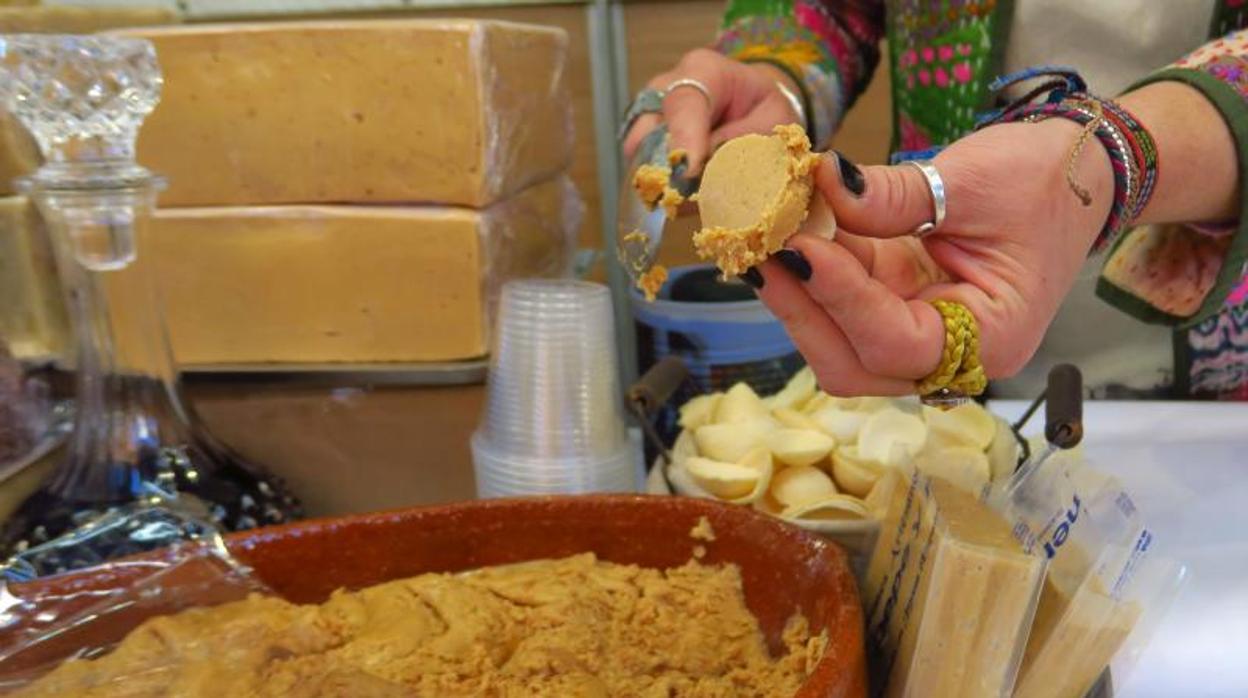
(640, 228)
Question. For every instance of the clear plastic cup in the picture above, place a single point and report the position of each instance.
(554, 416)
(553, 381)
(498, 475)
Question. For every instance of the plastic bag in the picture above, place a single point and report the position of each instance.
(1105, 590)
(84, 615)
(949, 594)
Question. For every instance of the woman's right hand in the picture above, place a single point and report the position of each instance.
(744, 98)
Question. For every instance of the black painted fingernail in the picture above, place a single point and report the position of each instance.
(796, 263)
(752, 277)
(851, 176)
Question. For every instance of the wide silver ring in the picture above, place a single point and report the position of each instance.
(936, 186)
(648, 101)
(690, 82)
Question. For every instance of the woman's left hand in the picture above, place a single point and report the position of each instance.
(1013, 241)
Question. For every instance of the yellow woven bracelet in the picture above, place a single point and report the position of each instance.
(960, 370)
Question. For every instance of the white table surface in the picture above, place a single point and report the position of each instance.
(1186, 467)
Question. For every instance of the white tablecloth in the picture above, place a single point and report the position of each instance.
(1186, 466)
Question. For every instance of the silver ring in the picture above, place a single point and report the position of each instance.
(690, 82)
(936, 186)
(648, 101)
(795, 103)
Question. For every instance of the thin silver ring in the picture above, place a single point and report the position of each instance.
(936, 186)
(795, 103)
(690, 82)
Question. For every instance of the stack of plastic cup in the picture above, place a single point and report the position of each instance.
(554, 415)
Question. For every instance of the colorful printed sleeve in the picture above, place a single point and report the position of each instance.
(1196, 277)
(1182, 275)
(829, 47)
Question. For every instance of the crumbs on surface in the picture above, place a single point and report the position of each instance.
(633, 252)
(653, 186)
(671, 202)
(677, 156)
(652, 281)
(649, 281)
(650, 182)
(702, 530)
(734, 251)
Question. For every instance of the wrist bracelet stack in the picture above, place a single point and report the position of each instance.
(1131, 149)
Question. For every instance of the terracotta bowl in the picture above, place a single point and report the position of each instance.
(784, 568)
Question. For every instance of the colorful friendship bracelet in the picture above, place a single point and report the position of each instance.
(1132, 151)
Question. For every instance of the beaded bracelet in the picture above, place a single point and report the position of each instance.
(1132, 152)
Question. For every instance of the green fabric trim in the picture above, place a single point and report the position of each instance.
(1234, 110)
(744, 9)
(1003, 17)
(1133, 305)
(896, 85)
(1182, 364)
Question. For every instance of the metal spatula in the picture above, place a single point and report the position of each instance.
(641, 229)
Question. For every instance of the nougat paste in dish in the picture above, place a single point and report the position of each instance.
(569, 628)
(756, 192)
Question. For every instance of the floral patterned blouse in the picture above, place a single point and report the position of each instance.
(942, 56)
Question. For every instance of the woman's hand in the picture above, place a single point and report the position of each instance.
(1009, 249)
(744, 98)
(1013, 241)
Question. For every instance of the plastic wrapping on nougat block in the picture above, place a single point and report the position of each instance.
(32, 309)
(359, 284)
(19, 154)
(949, 595)
(1105, 590)
(70, 617)
(397, 111)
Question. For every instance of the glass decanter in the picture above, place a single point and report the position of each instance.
(135, 441)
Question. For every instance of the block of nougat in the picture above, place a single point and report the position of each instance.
(32, 309)
(315, 284)
(18, 153)
(950, 594)
(395, 111)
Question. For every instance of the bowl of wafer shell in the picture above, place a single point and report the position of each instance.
(824, 463)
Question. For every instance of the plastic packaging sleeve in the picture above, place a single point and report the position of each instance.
(18, 153)
(1106, 590)
(33, 319)
(26, 416)
(438, 111)
(530, 235)
(947, 614)
(16, 435)
(514, 102)
(85, 614)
